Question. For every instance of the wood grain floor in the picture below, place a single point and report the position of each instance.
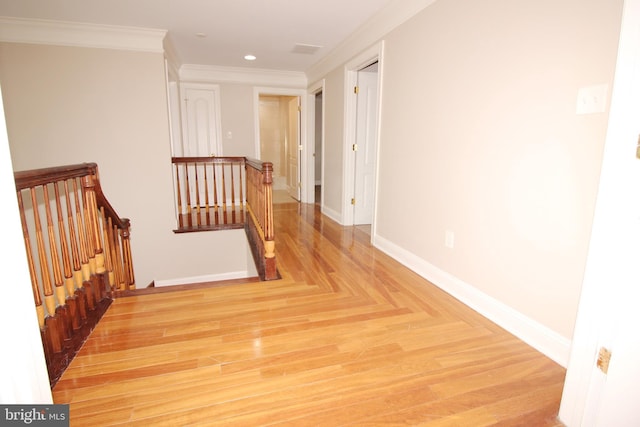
(347, 337)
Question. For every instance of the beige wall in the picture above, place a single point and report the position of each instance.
(333, 140)
(479, 135)
(236, 103)
(68, 105)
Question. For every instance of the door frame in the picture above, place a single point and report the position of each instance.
(366, 58)
(310, 177)
(302, 158)
(611, 274)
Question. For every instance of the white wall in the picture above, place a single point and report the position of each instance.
(69, 105)
(479, 136)
(24, 372)
(333, 143)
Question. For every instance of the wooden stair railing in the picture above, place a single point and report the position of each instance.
(209, 193)
(218, 193)
(82, 255)
(259, 225)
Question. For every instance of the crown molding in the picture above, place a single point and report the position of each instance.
(253, 76)
(389, 17)
(18, 30)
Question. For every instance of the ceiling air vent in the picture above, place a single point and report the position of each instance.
(307, 49)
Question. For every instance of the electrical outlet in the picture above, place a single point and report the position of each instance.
(449, 239)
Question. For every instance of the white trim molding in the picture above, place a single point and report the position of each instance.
(250, 76)
(538, 336)
(33, 31)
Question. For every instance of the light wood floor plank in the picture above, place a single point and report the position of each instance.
(347, 337)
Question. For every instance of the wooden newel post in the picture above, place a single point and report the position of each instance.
(269, 243)
(125, 234)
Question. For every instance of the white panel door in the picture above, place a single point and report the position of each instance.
(293, 148)
(365, 150)
(200, 117)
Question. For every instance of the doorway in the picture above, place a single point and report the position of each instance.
(366, 131)
(279, 130)
(317, 152)
(362, 110)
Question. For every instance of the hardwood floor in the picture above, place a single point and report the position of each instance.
(346, 337)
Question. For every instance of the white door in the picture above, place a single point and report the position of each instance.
(365, 148)
(201, 123)
(608, 314)
(292, 145)
(200, 136)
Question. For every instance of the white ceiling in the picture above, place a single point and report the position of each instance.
(268, 29)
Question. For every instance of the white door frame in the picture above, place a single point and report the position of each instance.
(368, 57)
(302, 95)
(309, 178)
(609, 290)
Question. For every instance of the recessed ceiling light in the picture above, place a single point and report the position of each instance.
(250, 57)
(201, 35)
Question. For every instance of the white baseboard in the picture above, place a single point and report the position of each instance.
(201, 279)
(334, 215)
(543, 339)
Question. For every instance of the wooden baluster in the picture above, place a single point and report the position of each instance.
(267, 170)
(206, 195)
(241, 170)
(62, 238)
(215, 195)
(89, 183)
(122, 280)
(85, 265)
(35, 287)
(188, 191)
(84, 273)
(224, 194)
(233, 195)
(108, 262)
(179, 195)
(77, 273)
(197, 190)
(73, 277)
(66, 308)
(49, 299)
(91, 251)
(82, 238)
(113, 246)
(128, 260)
(90, 291)
(53, 249)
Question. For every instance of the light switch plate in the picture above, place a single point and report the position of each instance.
(592, 99)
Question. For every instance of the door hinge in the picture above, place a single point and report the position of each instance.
(353, 201)
(299, 108)
(604, 357)
(356, 90)
(354, 147)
